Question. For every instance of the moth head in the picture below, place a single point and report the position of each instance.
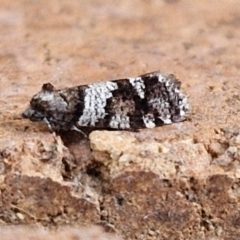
(41, 103)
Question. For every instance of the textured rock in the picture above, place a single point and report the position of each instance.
(23, 233)
(120, 152)
(32, 186)
(153, 189)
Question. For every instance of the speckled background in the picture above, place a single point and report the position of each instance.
(77, 42)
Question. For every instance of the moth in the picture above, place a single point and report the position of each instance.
(146, 101)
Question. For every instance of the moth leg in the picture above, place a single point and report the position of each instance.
(74, 128)
(59, 145)
(50, 128)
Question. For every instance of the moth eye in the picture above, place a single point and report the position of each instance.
(38, 105)
(44, 103)
(33, 102)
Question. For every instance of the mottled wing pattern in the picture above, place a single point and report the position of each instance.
(149, 100)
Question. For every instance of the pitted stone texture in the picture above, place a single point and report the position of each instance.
(121, 151)
(70, 233)
(156, 190)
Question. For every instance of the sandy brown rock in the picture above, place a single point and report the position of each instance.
(160, 189)
(70, 233)
(32, 186)
(173, 182)
(124, 151)
(32, 199)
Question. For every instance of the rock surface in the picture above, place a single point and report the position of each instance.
(179, 181)
(70, 233)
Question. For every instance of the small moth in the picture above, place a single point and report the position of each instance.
(146, 101)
